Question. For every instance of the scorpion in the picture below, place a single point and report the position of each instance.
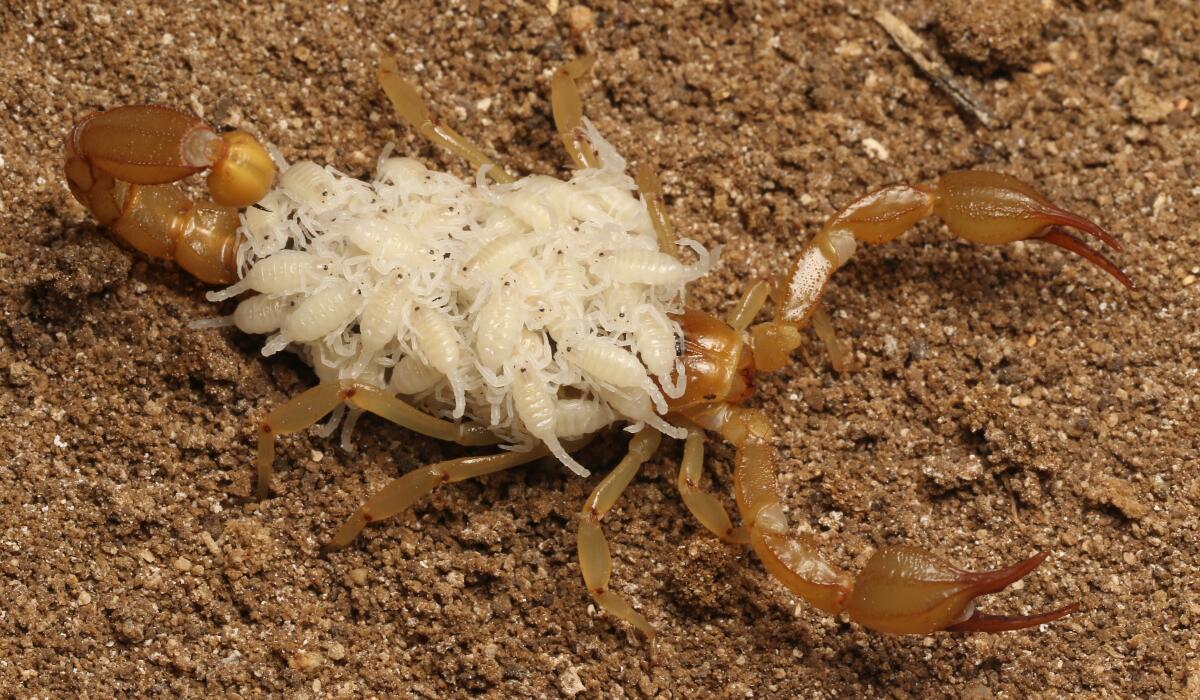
(536, 312)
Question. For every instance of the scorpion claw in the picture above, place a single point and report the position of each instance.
(987, 207)
(907, 590)
(1058, 236)
(1061, 217)
(983, 622)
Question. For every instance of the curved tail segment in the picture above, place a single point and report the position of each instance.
(901, 590)
(120, 163)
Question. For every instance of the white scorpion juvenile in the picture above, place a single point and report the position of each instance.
(533, 313)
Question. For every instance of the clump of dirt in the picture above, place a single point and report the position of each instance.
(996, 34)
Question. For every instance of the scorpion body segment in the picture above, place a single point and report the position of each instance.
(535, 312)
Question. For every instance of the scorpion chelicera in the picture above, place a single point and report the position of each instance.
(535, 312)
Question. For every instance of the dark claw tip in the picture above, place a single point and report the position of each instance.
(985, 582)
(983, 622)
(1059, 237)
(1065, 218)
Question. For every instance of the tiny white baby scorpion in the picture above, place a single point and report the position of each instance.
(541, 311)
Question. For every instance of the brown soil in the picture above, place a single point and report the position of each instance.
(1008, 399)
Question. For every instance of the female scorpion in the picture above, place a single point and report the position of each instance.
(555, 377)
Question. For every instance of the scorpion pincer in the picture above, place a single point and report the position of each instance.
(535, 312)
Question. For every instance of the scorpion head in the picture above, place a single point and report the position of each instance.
(719, 365)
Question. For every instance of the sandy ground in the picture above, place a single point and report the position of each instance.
(1008, 400)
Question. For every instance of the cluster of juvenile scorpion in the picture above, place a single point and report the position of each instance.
(492, 302)
(534, 313)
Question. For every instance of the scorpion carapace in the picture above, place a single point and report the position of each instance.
(540, 311)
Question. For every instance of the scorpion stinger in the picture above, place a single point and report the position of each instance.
(120, 163)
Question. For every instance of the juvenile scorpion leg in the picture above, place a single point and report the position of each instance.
(594, 559)
(409, 105)
(902, 589)
(312, 405)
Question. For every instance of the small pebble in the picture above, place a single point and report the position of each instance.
(917, 350)
(580, 18)
(977, 691)
(21, 373)
(814, 398)
(210, 543)
(306, 661)
(875, 149)
(569, 683)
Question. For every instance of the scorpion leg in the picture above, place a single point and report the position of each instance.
(310, 406)
(594, 559)
(752, 302)
(400, 494)
(409, 105)
(902, 589)
(119, 164)
(392, 409)
(568, 118)
(703, 505)
(294, 415)
(823, 326)
(568, 111)
(651, 189)
(749, 305)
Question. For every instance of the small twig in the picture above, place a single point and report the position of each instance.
(932, 65)
(1012, 501)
